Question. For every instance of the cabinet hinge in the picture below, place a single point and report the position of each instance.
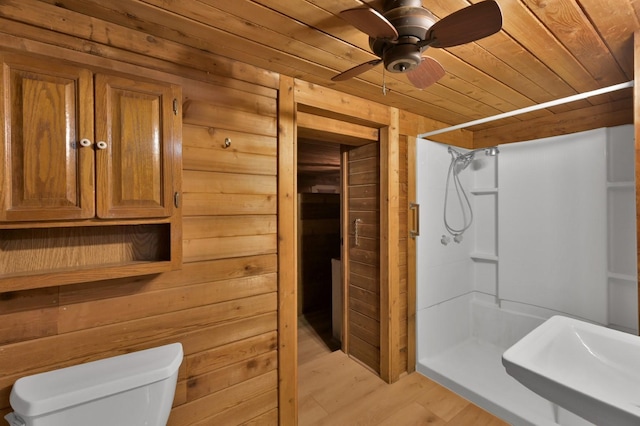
(175, 107)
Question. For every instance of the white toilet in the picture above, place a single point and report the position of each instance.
(135, 389)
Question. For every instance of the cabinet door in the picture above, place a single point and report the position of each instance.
(134, 136)
(47, 110)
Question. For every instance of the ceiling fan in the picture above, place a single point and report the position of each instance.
(404, 29)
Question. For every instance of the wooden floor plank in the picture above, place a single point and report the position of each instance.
(309, 411)
(413, 414)
(334, 389)
(473, 415)
(315, 336)
(382, 402)
(352, 379)
(441, 401)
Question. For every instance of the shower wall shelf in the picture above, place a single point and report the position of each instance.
(622, 277)
(484, 257)
(622, 280)
(623, 184)
(484, 191)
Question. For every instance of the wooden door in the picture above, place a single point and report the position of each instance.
(363, 283)
(135, 125)
(47, 110)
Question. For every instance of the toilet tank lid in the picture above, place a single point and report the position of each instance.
(58, 389)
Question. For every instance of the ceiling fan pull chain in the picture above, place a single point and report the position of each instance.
(384, 82)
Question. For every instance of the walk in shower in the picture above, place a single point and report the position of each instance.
(553, 231)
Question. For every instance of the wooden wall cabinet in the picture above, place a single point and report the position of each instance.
(90, 160)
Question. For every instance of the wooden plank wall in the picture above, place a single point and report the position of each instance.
(230, 196)
(223, 305)
(319, 236)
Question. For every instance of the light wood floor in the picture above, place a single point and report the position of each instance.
(335, 390)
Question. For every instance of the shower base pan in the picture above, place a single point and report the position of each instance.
(474, 370)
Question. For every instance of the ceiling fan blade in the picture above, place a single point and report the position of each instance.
(370, 22)
(427, 73)
(357, 70)
(466, 25)
(376, 4)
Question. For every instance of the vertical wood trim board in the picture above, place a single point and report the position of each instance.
(344, 230)
(287, 256)
(386, 265)
(389, 259)
(636, 121)
(411, 258)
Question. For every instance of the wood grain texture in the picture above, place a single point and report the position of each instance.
(547, 50)
(336, 390)
(637, 148)
(312, 126)
(46, 111)
(333, 104)
(318, 244)
(612, 114)
(287, 257)
(137, 121)
(222, 308)
(411, 256)
(50, 249)
(363, 318)
(390, 368)
(232, 83)
(55, 167)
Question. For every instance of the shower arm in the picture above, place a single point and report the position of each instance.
(469, 155)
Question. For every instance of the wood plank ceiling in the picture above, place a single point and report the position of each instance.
(547, 49)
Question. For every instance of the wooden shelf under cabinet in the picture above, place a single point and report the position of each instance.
(44, 257)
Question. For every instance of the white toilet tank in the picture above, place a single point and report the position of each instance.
(135, 389)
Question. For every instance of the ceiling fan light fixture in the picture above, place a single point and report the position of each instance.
(402, 58)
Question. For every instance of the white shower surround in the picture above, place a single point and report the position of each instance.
(553, 232)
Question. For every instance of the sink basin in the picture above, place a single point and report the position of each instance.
(590, 370)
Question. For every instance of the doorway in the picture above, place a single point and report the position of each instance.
(338, 226)
(317, 113)
(319, 289)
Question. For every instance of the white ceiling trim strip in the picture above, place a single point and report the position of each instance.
(549, 104)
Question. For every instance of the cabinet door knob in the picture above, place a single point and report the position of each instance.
(101, 145)
(85, 142)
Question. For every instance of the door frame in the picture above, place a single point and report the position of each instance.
(297, 97)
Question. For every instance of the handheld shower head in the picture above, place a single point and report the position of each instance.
(459, 162)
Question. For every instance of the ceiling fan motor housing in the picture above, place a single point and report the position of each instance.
(412, 22)
(402, 58)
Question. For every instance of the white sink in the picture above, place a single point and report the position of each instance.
(588, 369)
